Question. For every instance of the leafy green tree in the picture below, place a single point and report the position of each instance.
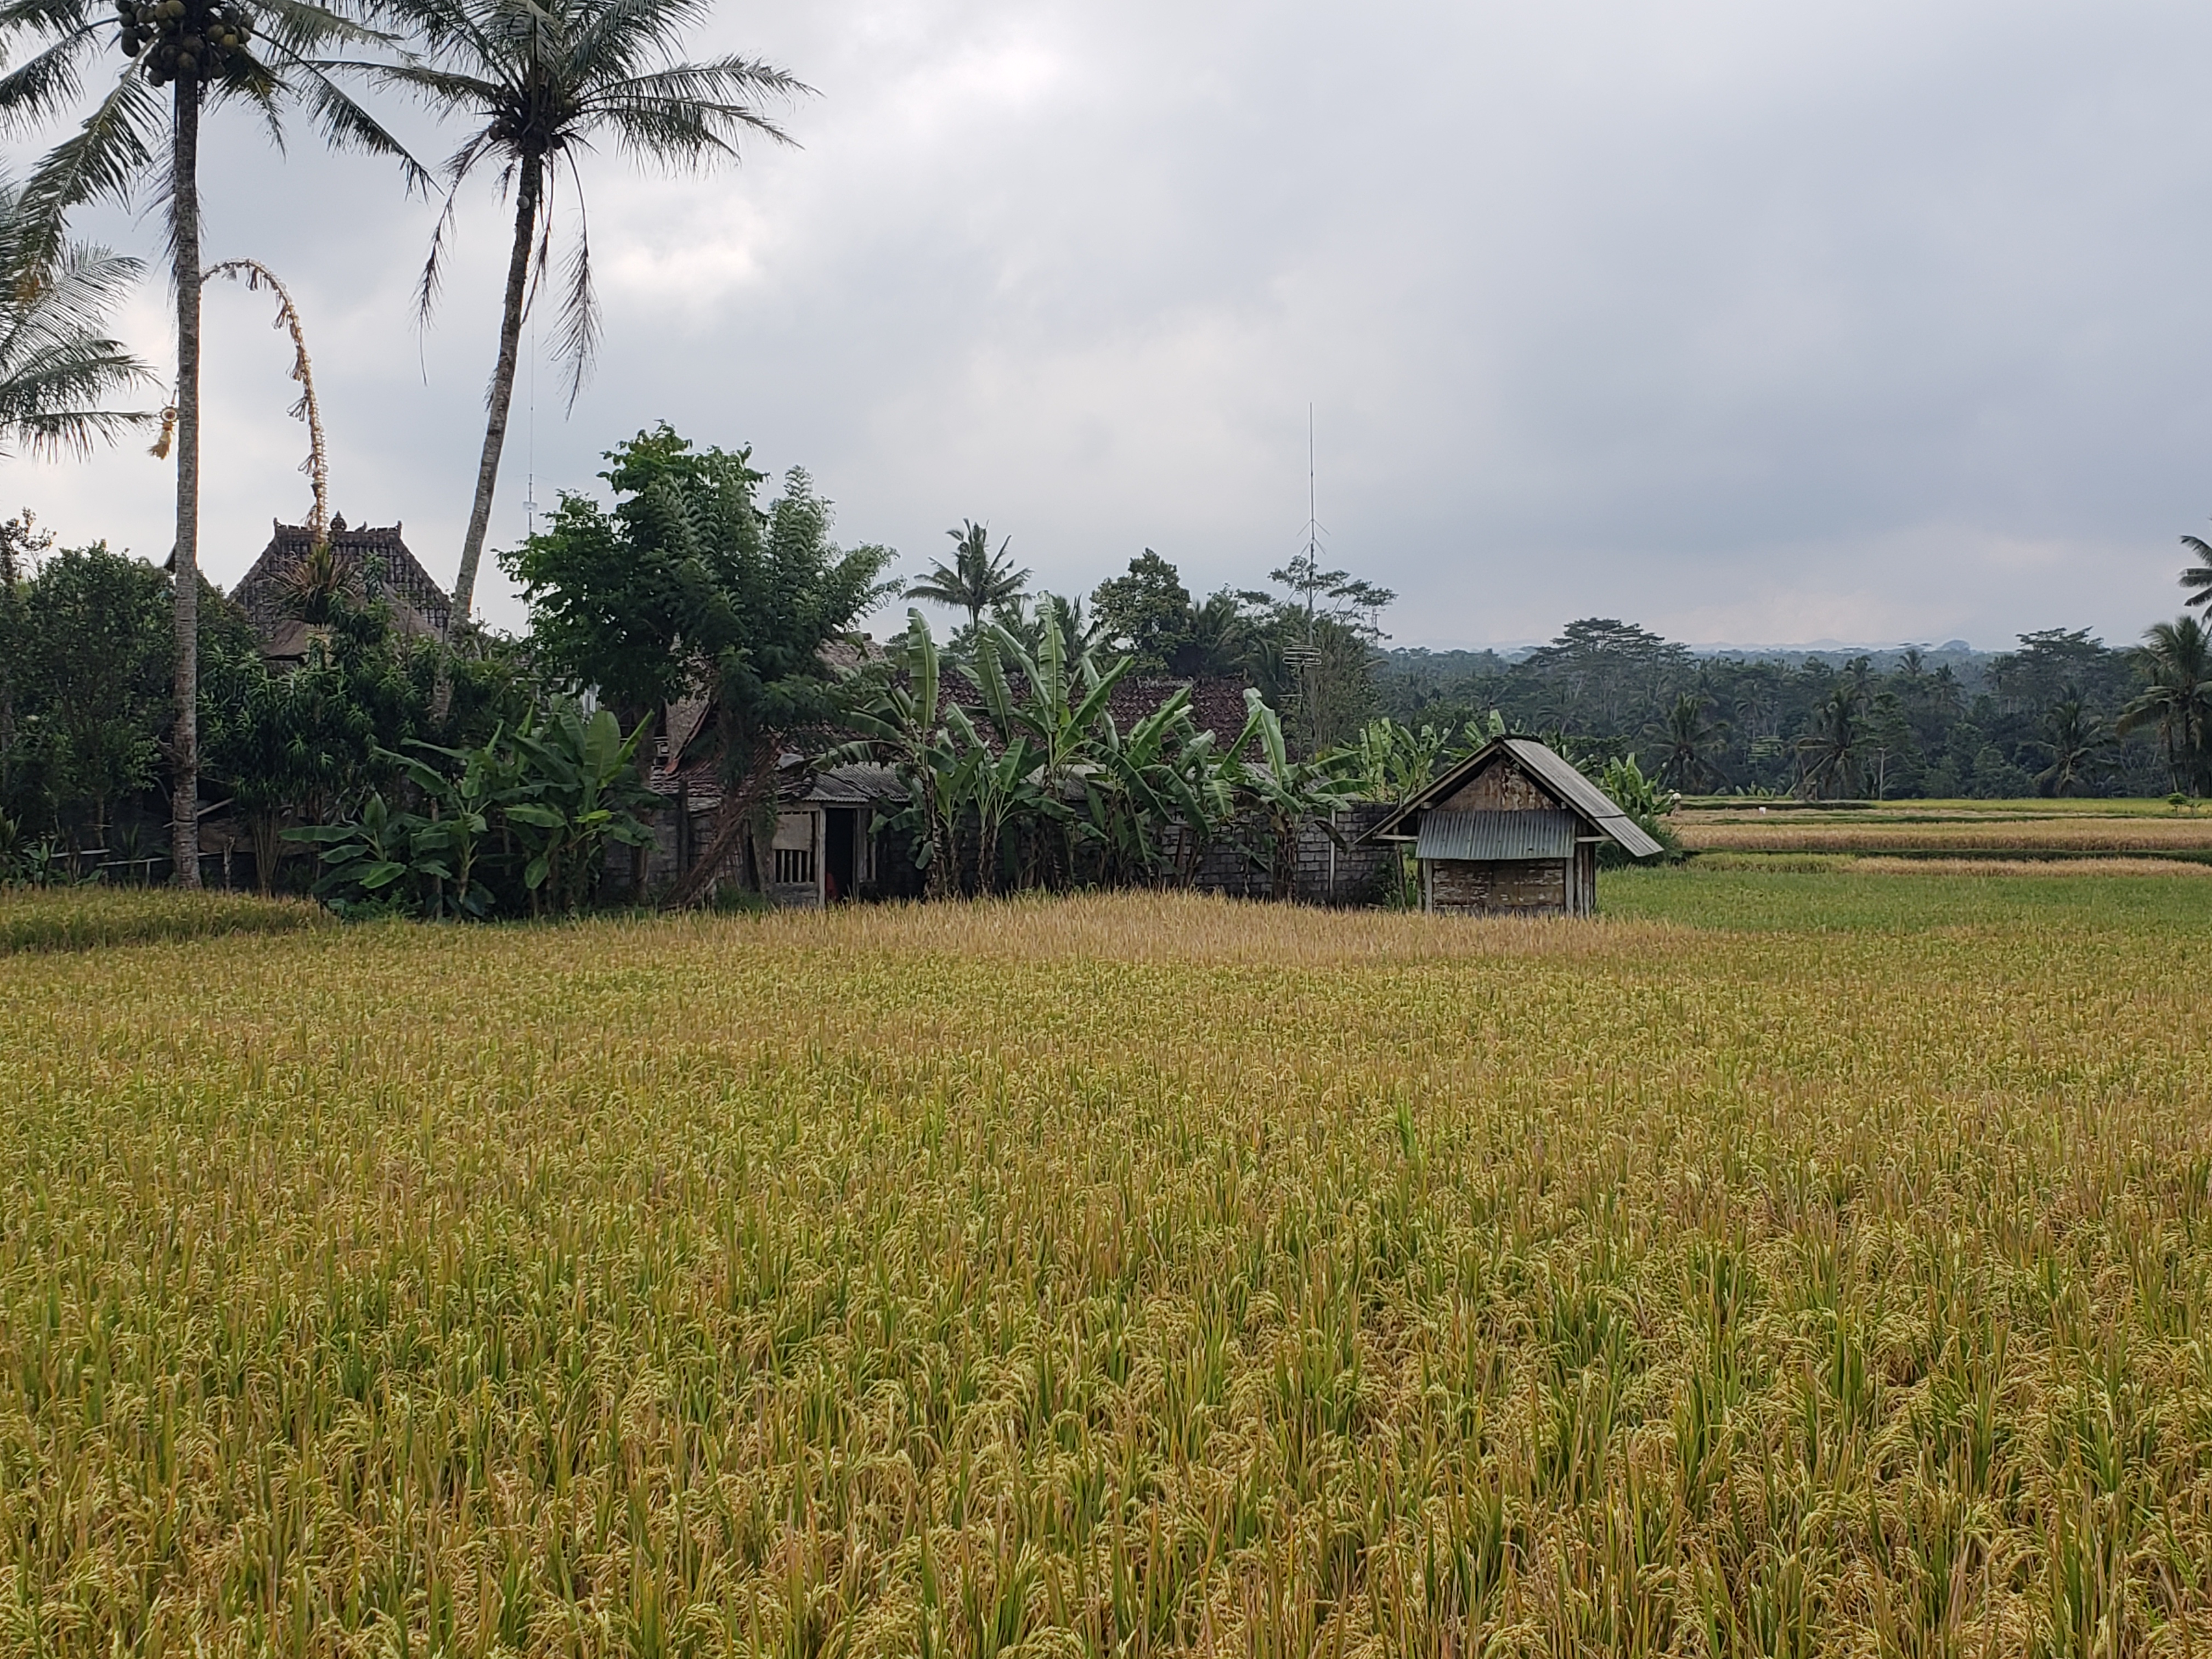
(89, 666)
(977, 580)
(265, 54)
(1896, 761)
(1218, 640)
(540, 83)
(21, 542)
(57, 366)
(1146, 613)
(689, 585)
(1598, 669)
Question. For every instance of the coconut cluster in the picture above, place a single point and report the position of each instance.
(180, 38)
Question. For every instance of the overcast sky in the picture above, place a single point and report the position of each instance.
(1752, 323)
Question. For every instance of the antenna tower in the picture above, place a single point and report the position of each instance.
(1303, 659)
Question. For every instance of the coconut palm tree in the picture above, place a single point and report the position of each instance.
(2198, 577)
(1216, 640)
(56, 365)
(1834, 751)
(538, 82)
(1687, 742)
(2176, 660)
(977, 579)
(2077, 741)
(201, 54)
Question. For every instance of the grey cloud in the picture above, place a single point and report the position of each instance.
(1877, 321)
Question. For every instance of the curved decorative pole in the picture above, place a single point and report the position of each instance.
(317, 465)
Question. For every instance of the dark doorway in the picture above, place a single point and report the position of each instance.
(840, 826)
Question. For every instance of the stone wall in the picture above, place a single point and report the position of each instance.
(1344, 868)
(1354, 872)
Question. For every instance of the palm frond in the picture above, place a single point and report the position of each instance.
(346, 126)
(619, 37)
(578, 337)
(111, 150)
(38, 90)
(2198, 575)
(298, 28)
(44, 17)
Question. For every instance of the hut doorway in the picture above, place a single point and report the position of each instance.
(840, 842)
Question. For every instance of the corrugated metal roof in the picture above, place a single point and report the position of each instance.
(1487, 837)
(1579, 792)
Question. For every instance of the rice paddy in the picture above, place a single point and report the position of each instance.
(1790, 1262)
(2041, 829)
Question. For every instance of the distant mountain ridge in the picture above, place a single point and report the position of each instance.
(1957, 652)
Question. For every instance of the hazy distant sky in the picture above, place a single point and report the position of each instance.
(1749, 322)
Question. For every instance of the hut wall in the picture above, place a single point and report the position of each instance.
(796, 878)
(1500, 787)
(1524, 887)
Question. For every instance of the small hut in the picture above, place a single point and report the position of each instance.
(1513, 829)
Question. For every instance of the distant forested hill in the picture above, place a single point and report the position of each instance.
(1947, 721)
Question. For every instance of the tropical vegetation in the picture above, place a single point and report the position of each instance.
(266, 55)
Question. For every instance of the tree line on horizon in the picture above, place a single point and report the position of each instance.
(696, 583)
(2063, 714)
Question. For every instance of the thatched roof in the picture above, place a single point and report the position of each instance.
(376, 552)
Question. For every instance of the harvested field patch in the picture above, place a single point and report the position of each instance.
(1886, 832)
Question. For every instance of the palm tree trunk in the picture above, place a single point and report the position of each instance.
(185, 206)
(502, 384)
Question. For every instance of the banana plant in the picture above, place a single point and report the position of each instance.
(1277, 793)
(367, 862)
(461, 810)
(1063, 702)
(902, 722)
(1162, 773)
(579, 788)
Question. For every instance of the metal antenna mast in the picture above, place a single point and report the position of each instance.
(1304, 660)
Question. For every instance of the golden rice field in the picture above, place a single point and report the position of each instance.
(1792, 1262)
(2041, 828)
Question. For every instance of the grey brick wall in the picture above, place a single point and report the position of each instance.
(1355, 872)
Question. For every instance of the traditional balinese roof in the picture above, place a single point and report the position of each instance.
(1553, 774)
(376, 552)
